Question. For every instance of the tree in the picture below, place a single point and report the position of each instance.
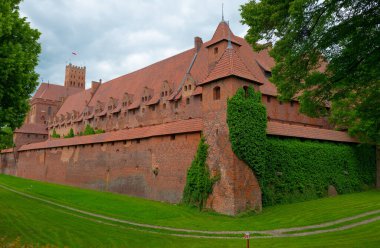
(6, 137)
(19, 49)
(327, 54)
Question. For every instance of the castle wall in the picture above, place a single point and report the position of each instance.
(153, 168)
(288, 112)
(27, 138)
(8, 163)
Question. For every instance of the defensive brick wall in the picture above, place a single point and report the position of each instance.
(153, 168)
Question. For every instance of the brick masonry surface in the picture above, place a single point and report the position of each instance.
(153, 168)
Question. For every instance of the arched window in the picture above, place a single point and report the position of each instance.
(216, 92)
(49, 111)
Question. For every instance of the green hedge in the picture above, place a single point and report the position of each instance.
(291, 170)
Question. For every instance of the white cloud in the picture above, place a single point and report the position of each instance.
(117, 37)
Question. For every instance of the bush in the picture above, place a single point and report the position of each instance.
(99, 131)
(70, 134)
(198, 182)
(55, 135)
(88, 130)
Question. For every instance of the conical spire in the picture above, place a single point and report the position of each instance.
(223, 32)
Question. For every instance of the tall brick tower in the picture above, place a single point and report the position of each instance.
(75, 76)
(238, 188)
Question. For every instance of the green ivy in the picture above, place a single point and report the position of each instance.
(246, 119)
(55, 135)
(301, 170)
(291, 170)
(198, 182)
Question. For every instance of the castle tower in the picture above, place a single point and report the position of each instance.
(75, 76)
(238, 188)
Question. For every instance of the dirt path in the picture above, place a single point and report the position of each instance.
(284, 232)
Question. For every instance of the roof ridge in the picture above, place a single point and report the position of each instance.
(143, 68)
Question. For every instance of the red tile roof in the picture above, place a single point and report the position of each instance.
(32, 128)
(281, 129)
(183, 126)
(7, 150)
(223, 32)
(174, 69)
(54, 92)
(229, 64)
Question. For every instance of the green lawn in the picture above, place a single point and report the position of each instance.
(36, 222)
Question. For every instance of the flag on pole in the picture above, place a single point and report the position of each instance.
(74, 53)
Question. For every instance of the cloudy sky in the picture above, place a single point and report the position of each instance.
(115, 37)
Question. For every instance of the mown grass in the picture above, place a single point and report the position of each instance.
(38, 223)
(157, 213)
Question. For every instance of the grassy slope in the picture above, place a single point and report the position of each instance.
(145, 211)
(36, 222)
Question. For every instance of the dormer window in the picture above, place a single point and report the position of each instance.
(185, 88)
(166, 93)
(189, 86)
(142, 98)
(162, 94)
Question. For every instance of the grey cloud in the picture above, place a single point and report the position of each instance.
(116, 37)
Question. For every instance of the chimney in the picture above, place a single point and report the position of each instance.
(94, 86)
(197, 43)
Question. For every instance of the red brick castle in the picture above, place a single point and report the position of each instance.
(154, 118)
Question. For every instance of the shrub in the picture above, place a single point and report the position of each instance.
(99, 131)
(70, 134)
(88, 130)
(55, 135)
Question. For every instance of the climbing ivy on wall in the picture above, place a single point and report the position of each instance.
(291, 170)
(247, 122)
(198, 182)
(301, 170)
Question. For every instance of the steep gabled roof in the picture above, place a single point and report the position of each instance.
(32, 128)
(229, 64)
(54, 92)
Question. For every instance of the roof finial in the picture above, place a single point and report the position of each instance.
(222, 13)
(229, 46)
